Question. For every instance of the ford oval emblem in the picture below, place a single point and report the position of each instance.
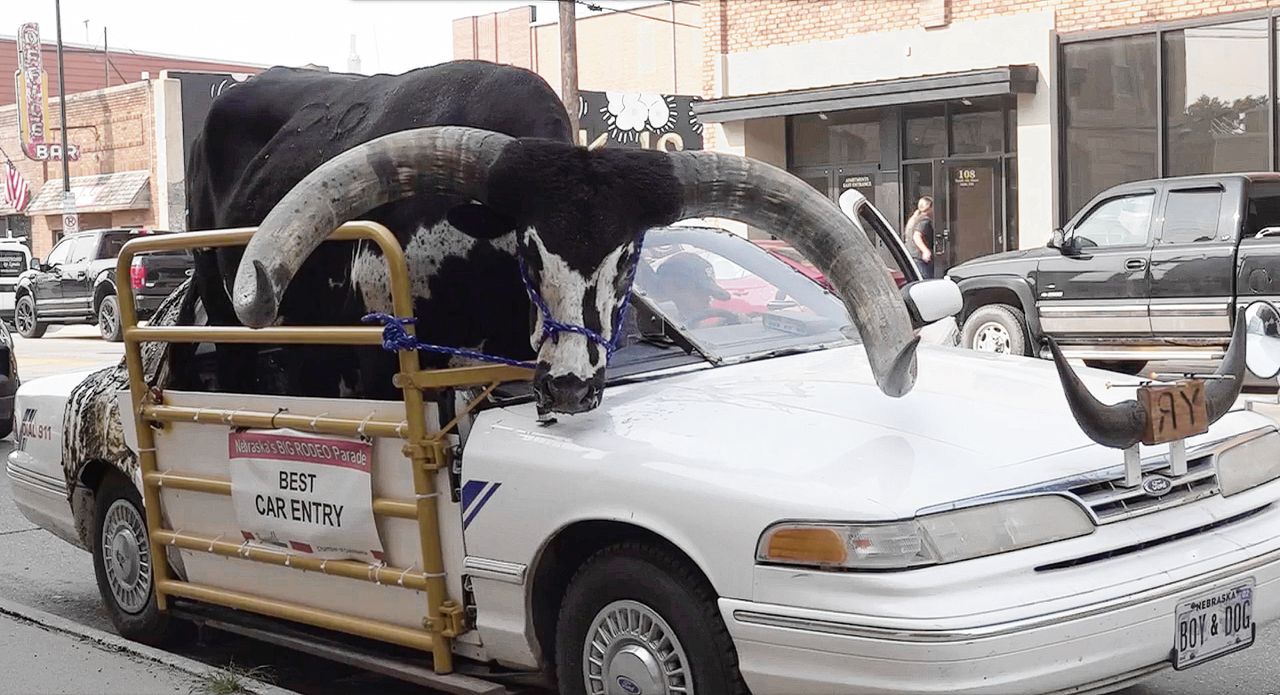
(629, 686)
(1156, 485)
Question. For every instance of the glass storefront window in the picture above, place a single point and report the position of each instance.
(845, 137)
(977, 127)
(924, 132)
(1110, 117)
(1216, 98)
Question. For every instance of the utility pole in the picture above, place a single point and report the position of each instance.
(70, 221)
(569, 61)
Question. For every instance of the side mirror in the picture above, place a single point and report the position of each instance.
(1058, 240)
(1262, 344)
(932, 300)
(34, 263)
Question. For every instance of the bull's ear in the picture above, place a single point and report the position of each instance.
(480, 221)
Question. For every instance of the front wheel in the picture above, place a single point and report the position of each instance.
(109, 318)
(24, 318)
(122, 562)
(995, 328)
(638, 619)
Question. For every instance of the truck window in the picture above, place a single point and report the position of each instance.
(82, 249)
(59, 253)
(1117, 222)
(1263, 210)
(1191, 216)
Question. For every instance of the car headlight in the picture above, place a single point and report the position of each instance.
(1249, 464)
(931, 539)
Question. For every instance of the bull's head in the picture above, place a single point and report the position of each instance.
(1122, 424)
(579, 216)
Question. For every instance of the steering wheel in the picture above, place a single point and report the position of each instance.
(730, 317)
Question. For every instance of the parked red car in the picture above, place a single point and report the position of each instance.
(793, 258)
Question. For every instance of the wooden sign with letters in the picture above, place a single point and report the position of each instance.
(1175, 410)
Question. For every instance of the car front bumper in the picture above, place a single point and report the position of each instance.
(1091, 647)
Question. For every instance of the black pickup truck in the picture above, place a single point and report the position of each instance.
(1147, 270)
(76, 283)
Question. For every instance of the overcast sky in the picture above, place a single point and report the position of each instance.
(391, 35)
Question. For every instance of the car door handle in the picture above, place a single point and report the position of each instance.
(1135, 264)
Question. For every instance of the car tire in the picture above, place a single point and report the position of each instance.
(672, 623)
(121, 562)
(997, 328)
(109, 319)
(1124, 367)
(25, 318)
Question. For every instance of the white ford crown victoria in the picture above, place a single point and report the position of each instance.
(747, 511)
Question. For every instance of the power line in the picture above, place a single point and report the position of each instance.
(599, 8)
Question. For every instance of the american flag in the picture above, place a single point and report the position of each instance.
(17, 194)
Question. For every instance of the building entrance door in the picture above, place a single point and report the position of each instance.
(971, 226)
(967, 208)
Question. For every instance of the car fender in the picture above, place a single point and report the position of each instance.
(104, 278)
(23, 282)
(1018, 285)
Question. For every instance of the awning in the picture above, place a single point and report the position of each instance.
(124, 190)
(1010, 79)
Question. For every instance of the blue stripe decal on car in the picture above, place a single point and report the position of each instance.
(475, 510)
(469, 492)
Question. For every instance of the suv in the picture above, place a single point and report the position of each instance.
(1147, 270)
(76, 283)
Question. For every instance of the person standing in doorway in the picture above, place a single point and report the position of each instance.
(920, 236)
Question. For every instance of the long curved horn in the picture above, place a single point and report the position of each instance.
(761, 195)
(443, 160)
(1122, 425)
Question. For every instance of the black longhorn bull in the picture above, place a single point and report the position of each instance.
(467, 199)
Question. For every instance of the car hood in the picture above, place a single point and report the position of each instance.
(813, 434)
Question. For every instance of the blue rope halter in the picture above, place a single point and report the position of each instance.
(395, 337)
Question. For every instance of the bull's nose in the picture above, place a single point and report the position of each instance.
(567, 390)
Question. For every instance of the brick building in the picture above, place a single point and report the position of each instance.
(630, 64)
(130, 137)
(1012, 114)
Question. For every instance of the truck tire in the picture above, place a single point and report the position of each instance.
(122, 563)
(1126, 367)
(109, 319)
(997, 328)
(662, 615)
(24, 318)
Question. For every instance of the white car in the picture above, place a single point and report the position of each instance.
(747, 510)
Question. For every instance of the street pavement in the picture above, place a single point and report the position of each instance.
(48, 574)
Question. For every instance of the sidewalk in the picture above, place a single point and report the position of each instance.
(41, 654)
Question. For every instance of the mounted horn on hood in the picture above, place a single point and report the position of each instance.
(1125, 424)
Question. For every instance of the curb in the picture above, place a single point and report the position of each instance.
(120, 644)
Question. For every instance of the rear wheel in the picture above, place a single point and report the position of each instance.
(638, 619)
(122, 562)
(997, 328)
(24, 318)
(109, 318)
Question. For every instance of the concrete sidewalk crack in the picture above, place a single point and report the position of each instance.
(21, 530)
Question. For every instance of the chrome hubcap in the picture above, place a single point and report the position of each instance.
(631, 650)
(127, 559)
(991, 337)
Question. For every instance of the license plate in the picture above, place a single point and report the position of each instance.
(1213, 624)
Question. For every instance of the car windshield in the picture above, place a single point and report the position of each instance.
(711, 293)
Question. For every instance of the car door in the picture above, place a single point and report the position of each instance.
(75, 280)
(47, 284)
(1097, 288)
(1193, 263)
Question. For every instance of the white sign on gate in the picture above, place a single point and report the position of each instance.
(311, 494)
